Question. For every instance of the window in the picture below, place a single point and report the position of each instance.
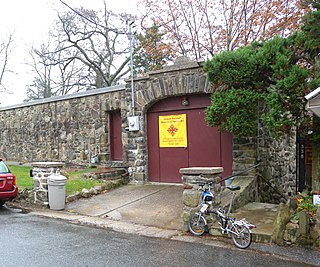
(3, 167)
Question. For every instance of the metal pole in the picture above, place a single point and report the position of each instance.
(131, 66)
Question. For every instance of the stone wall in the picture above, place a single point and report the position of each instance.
(73, 128)
(278, 169)
(276, 173)
(296, 228)
(70, 128)
(244, 154)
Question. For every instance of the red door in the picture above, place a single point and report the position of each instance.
(115, 135)
(171, 159)
(204, 142)
(206, 147)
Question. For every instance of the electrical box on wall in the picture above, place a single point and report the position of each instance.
(133, 123)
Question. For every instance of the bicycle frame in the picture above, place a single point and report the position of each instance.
(240, 230)
(226, 217)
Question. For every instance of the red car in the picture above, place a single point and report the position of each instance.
(8, 188)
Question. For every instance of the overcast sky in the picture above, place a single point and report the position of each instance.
(29, 21)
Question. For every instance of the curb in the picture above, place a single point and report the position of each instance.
(292, 254)
(109, 224)
(130, 228)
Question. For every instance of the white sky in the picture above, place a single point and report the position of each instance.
(29, 21)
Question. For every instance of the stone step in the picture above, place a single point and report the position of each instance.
(262, 215)
(106, 174)
(243, 196)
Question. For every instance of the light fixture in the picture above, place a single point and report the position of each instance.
(185, 102)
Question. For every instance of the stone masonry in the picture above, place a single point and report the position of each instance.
(73, 128)
(40, 173)
(191, 195)
(183, 78)
(278, 168)
(70, 128)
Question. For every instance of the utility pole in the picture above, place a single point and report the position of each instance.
(133, 120)
(131, 36)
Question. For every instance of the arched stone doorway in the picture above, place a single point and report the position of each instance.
(204, 146)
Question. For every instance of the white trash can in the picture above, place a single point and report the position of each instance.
(57, 191)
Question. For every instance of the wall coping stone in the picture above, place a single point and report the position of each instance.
(181, 63)
(201, 170)
(44, 164)
(67, 97)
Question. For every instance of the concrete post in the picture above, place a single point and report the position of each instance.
(40, 173)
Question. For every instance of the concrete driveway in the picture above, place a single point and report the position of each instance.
(145, 204)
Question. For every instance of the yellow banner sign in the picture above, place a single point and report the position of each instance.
(173, 130)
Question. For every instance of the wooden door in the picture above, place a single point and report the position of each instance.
(206, 146)
(115, 135)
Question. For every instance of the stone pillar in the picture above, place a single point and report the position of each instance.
(40, 173)
(303, 222)
(191, 195)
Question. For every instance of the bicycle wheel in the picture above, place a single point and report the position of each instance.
(241, 236)
(197, 224)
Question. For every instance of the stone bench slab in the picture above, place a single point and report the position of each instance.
(201, 170)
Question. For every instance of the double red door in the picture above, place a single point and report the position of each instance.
(206, 146)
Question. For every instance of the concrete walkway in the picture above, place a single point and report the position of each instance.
(148, 204)
(157, 205)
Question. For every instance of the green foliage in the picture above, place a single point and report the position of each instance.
(308, 42)
(241, 68)
(311, 31)
(304, 202)
(314, 3)
(227, 111)
(276, 118)
(75, 182)
(22, 174)
(152, 54)
(274, 81)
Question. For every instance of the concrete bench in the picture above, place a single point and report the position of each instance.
(193, 175)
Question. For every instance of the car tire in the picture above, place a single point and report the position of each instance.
(1, 203)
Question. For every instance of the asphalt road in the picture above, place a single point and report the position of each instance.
(28, 240)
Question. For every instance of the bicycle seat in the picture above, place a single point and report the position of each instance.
(233, 188)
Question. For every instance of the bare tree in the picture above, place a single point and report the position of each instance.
(100, 41)
(204, 27)
(42, 68)
(86, 50)
(55, 74)
(6, 47)
(246, 21)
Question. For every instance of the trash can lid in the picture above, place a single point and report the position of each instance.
(57, 178)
